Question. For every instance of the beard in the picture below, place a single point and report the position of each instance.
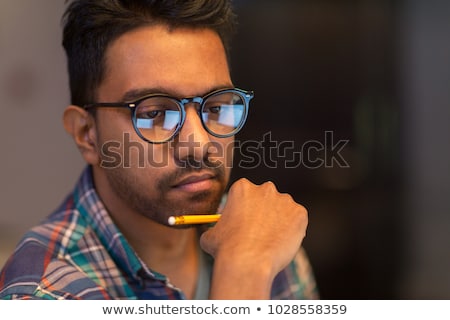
(149, 194)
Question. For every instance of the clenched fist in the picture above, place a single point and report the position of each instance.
(258, 234)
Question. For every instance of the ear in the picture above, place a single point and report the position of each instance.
(81, 126)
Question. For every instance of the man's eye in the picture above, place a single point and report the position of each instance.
(150, 114)
(214, 109)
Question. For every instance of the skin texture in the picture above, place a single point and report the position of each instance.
(257, 221)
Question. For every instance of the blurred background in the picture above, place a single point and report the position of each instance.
(374, 74)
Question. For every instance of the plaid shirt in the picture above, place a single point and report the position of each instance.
(78, 253)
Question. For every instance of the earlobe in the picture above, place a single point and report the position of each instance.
(81, 126)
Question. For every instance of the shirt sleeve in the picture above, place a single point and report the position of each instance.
(296, 281)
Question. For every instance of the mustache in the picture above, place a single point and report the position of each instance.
(189, 166)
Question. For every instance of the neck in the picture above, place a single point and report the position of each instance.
(160, 247)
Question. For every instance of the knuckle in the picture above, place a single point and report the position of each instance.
(269, 187)
(240, 185)
(303, 211)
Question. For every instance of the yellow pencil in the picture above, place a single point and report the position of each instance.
(193, 219)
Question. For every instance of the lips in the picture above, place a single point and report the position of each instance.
(194, 179)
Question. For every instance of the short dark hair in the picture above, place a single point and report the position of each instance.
(91, 25)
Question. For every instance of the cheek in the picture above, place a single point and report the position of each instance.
(159, 156)
(117, 139)
(139, 154)
(114, 124)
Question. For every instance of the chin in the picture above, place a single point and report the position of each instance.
(201, 203)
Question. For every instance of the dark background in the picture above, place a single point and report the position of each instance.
(373, 72)
(339, 67)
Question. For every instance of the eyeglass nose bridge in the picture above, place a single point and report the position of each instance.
(198, 100)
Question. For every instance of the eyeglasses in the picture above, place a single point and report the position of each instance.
(158, 118)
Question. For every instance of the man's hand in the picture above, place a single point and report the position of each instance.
(258, 234)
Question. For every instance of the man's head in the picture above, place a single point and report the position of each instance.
(121, 51)
(90, 26)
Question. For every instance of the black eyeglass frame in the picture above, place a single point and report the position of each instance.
(132, 106)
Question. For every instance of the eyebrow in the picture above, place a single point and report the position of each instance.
(135, 94)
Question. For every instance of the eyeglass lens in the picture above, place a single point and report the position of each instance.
(158, 118)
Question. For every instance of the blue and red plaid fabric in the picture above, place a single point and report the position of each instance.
(79, 253)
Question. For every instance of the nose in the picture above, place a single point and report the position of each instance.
(193, 140)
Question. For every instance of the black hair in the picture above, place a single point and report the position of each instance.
(89, 27)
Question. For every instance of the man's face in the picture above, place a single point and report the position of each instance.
(184, 175)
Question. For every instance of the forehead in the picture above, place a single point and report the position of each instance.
(183, 61)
